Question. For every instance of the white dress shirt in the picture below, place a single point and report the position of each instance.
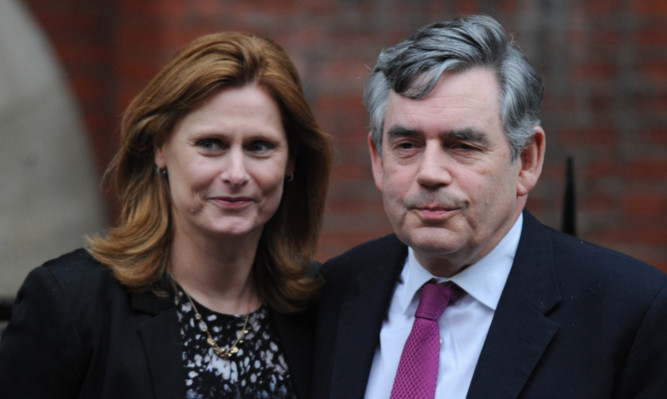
(463, 326)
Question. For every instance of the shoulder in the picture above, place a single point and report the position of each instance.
(76, 271)
(592, 268)
(75, 280)
(378, 257)
(583, 266)
(585, 256)
(79, 261)
(384, 247)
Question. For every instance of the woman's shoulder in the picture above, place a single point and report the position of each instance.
(74, 263)
(77, 258)
(75, 274)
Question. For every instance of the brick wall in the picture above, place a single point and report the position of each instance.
(604, 64)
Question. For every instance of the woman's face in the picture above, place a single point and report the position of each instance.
(226, 164)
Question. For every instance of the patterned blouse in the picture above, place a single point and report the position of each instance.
(258, 370)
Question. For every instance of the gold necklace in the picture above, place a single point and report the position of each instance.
(224, 353)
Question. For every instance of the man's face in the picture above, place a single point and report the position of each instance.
(450, 188)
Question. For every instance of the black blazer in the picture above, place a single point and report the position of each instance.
(574, 321)
(76, 332)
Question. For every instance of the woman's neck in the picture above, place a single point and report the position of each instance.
(217, 273)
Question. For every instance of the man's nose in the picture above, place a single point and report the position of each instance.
(434, 167)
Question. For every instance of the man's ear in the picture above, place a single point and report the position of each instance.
(376, 162)
(532, 159)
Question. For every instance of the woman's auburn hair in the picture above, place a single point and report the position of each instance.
(138, 249)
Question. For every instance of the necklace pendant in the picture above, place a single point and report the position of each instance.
(226, 353)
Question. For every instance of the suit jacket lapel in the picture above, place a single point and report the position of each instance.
(360, 321)
(520, 331)
(158, 325)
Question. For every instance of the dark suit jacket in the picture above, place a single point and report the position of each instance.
(76, 332)
(574, 321)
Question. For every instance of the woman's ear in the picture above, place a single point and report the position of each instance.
(158, 154)
(532, 160)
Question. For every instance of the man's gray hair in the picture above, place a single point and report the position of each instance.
(413, 67)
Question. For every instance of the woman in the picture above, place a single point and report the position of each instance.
(202, 290)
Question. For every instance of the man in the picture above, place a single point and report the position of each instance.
(456, 146)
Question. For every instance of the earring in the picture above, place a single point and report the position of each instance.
(160, 171)
(289, 178)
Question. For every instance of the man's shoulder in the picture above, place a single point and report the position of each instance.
(586, 258)
(588, 263)
(580, 250)
(377, 254)
(383, 246)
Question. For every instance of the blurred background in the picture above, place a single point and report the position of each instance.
(68, 68)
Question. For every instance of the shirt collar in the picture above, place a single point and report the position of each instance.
(484, 280)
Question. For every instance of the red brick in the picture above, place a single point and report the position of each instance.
(599, 69)
(646, 169)
(467, 6)
(510, 6)
(658, 136)
(589, 136)
(639, 206)
(606, 88)
(652, 8)
(655, 71)
(601, 7)
(635, 234)
(599, 202)
(600, 169)
(652, 35)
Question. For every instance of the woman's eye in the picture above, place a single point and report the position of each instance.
(209, 144)
(260, 146)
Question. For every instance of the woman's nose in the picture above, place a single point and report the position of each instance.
(234, 171)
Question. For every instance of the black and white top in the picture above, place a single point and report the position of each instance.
(258, 370)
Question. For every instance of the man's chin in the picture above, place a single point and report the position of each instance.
(434, 241)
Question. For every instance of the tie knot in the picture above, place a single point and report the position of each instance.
(435, 298)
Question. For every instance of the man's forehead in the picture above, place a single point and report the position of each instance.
(459, 101)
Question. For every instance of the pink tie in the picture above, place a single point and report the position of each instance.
(417, 373)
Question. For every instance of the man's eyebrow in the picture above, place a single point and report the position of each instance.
(401, 131)
(469, 134)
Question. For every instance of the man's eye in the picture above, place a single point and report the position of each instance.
(404, 145)
(462, 146)
(405, 148)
